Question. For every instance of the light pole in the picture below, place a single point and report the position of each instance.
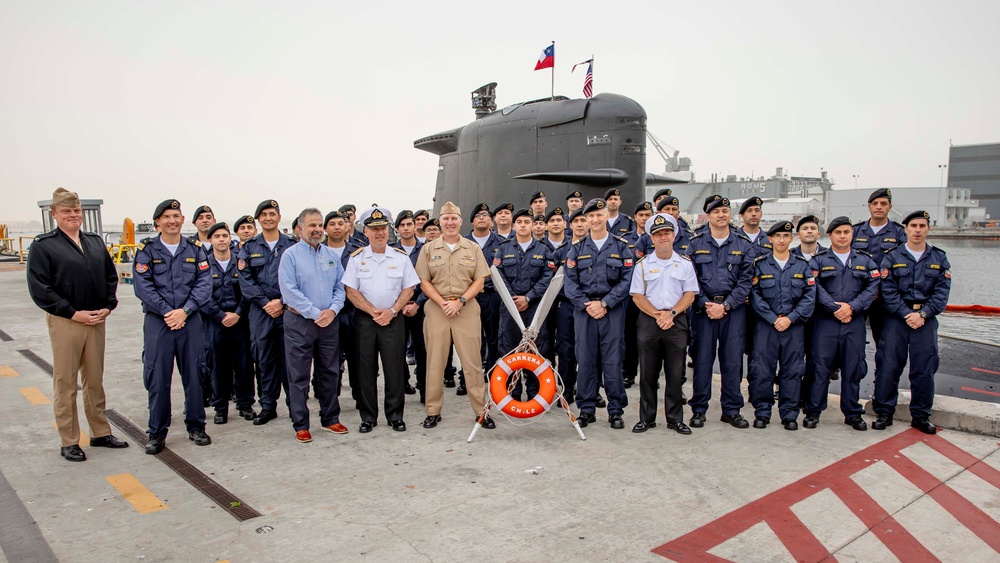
(856, 176)
(942, 168)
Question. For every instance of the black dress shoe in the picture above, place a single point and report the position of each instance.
(697, 420)
(248, 413)
(423, 400)
(643, 426)
(411, 360)
(586, 418)
(616, 422)
(488, 423)
(398, 425)
(679, 427)
(835, 375)
(155, 445)
(735, 420)
(790, 424)
(629, 382)
(432, 421)
(365, 427)
(449, 383)
(601, 403)
(857, 423)
(924, 425)
(882, 422)
(760, 422)
(461, 390)
(221, 417)
(409, 389)
(264, 416)
(199, 438)
(108, 441)
(73, 453)
(810, 422)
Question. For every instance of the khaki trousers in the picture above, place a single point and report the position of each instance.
(77, 348)
(439, 333)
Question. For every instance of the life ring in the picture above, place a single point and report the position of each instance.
(538, 404)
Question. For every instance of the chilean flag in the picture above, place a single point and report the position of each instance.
(547, 59)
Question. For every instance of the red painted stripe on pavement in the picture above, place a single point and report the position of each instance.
(958, 506)
(975, 465)
(891, 533)
(983, 391)
(986, 371)
(796, 537)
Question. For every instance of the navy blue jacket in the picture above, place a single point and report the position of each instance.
(891, 236)
(623, 225)
(855, 284)
(492, 242)
(798, 250)
(593, 275)
(906, 281)
(164, 282)
(788, 292)
(725, 270)
(762, 244)
(226, 294)
(417, 292)
(258, 266)
(525, 272)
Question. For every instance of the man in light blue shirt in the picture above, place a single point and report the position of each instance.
(310, 280)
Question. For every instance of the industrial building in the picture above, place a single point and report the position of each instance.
(948, 207)
(977, 167)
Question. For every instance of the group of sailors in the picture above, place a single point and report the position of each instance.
(267, 312)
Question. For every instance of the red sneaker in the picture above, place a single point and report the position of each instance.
(303, 436)
(337, 428)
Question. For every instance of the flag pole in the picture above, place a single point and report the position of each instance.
(553, 92)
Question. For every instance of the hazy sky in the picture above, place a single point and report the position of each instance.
(318, 104)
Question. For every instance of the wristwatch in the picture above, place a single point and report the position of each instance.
(673, 313)
(187, 311)
(923, 314)
(604, 304)
(394, 312)
(461, 300)
(526, 300)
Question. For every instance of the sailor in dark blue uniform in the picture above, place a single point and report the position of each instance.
(877, 236)
(338, 225)
(916, 283)
(784, 296)
(807, 231)
(574, 201)
(723, 261)
(354, 236)
(526, 266)
(258, 268)
(846, 284)
(557, 236)
(630, 369)
(538, 204)
(598, 277)
(227, 330)
(413, 313)
(619, 224)
(489, 300)
(172, 279)
(565, 347)
(502, 219)
(751, 213)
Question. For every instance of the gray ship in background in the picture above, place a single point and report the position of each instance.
(553, 145)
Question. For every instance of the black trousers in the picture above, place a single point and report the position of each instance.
(415, 335)
(230, 366)
(348, 350)
(631, 340)
(307, 345)
(664, 349)
(389, 343)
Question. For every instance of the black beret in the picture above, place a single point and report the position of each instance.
(780, 227)
(503, 206)
(165, 205)
(335, 214)
(267, 204)
(575, 214)
(216, 227)
(557, 211)
(807, 219)
(713, 201)
(537, 195)
(404, 214)
(595, 204)
(669, 200)
(917, 215)
(644, 206)
(199, 210)
(421, 213)
(244, 219)
(881, 192)
(838, 222)
(435, 222)
(750, 202)
(538, 219)
(576, 194)
(479, 207)
(348, 207)
(662, 192)
(522, 213)
(611, 192)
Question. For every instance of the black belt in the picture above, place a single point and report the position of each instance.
(596, 296)
(915, 305)
(718, 298)
(488, 290)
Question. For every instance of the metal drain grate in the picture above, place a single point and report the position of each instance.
(38, 361)
(225, 499)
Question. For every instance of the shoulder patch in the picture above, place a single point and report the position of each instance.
(359, 251)
(400, 250)
(620, 239)
(697, 234)
(759, 258)
(686, 257)
(801, 257)
(146, 240)
(49, 234)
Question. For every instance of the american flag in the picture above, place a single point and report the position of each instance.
(588, 81)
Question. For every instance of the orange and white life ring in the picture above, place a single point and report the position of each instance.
(538, 404)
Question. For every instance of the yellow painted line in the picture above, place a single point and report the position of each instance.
(7, 371)
(136, 493)
(34, 396)
(84, 439)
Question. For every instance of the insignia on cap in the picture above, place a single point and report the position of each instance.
(888, 193)
(274, 203)
(646, 205)
(927, 215)
(788, 225)
(725, 201)
(659, 221)
(376, 214)
(600, 205)
(541, 194)
(175, 204)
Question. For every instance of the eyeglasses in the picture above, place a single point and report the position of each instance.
(481, 214)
